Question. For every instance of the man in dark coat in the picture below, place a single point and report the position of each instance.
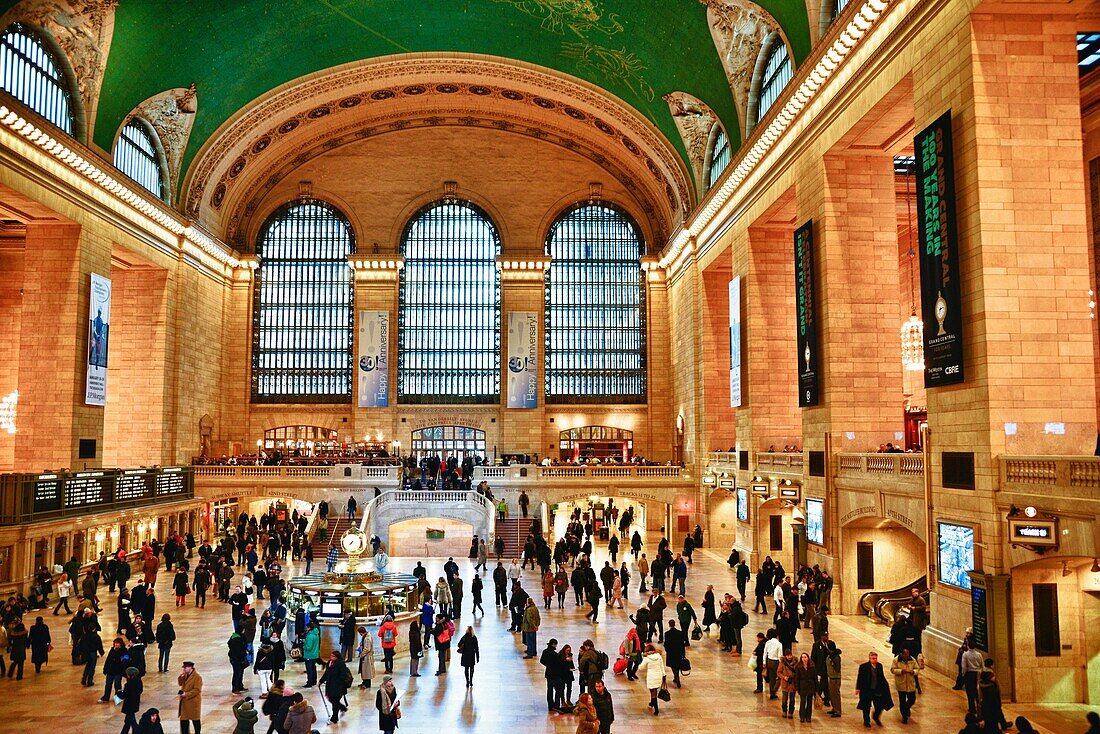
(605, 710)
(873, 690)
(335, 680)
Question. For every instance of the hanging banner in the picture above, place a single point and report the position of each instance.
(735, 342)
(523, 353)
(99, 331)
(809, 383)
(940, 290)
(374, 359)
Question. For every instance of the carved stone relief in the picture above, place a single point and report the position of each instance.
(171, 113)
(83, 29)
(739, 28)
(694, 120)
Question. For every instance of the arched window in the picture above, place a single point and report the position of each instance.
(595, 308)
(719, 156)
(448, 331)
(32, 74)
(139, 157)
(447, 441)
(302, 315)
(775, 75)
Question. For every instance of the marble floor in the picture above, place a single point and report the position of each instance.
(509, 691)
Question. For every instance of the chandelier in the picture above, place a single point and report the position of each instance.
(912, 331)
(7, 411)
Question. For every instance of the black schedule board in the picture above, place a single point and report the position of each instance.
(979, 618)
(937, 228)
(809, 380)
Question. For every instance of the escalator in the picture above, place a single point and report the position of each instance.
(884, 606)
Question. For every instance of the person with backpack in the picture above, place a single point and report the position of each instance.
(631, 650)
(738, 621)
(336, 679)
(388, 634)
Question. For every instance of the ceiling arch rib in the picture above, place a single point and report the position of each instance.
(274, 135)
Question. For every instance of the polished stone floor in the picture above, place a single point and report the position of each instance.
(509, 691)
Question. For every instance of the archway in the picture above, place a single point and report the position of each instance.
(1054, 605)
(430, 537)
(877, 554)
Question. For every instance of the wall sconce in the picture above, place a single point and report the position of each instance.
(100, 536)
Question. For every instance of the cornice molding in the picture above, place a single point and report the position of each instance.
(502, 89)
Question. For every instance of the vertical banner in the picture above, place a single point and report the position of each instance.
(374, 359)
(99, 331)
(523, 353)
(940, 291)
(809, 382)
(735, 342)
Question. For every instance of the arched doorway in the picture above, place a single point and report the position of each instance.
(877, 554)
(1054, 604)
(429, 537)
(601, 443)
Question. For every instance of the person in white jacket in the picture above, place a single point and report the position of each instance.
(443, 598)
(653, 667)
(64, 589)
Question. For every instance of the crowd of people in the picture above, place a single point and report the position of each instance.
(650, 594)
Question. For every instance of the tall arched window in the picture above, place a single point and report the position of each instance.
(775, 75)
(719, 156)
(139, 157)
(448, 335)
(31, 73)
(595, 308)
(302, 315)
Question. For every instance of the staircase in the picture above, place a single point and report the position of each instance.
(514, 531)
(337, 526)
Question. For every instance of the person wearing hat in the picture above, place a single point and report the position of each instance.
(832, 669)
(246, 716)
(131, 700)
(150, 722)
(387, 704)
(190, 698)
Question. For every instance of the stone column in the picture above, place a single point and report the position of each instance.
(1024, 264)
(53, 342)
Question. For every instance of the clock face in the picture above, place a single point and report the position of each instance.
(352, 543)
(941, 308)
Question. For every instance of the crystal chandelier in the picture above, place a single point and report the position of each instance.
(912, 331)
(7, 411)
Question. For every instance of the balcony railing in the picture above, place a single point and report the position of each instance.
(391, 474)
(902, 466)
(784, 463)
(33, 497)
(1026, 472)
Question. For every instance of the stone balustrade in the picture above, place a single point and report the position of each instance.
(390, 475)
(897, 465)
(1076, 475)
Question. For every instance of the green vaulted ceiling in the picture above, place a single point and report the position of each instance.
(237, 50)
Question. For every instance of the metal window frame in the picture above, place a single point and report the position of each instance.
(579, 328)
(31, 72)
(445, 299)
(720, 156)
(304, 330)
(144, 164)
(778, 72)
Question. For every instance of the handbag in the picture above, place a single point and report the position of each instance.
(664, 695)
(397, 711)
(697, 633)
(117, 699)
(753, 665)
(685, 666)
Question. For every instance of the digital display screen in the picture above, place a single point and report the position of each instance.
(815, 521)
(742, 504)
(956, 554)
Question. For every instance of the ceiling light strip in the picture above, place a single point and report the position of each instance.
(19, 125)
(811, 85)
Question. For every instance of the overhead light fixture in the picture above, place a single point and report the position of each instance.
(912, 331)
